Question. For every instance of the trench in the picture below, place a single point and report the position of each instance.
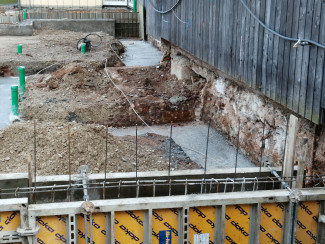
(80, 91)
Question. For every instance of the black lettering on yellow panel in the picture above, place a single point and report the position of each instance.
(237, 224)
(201, 220)
(9, 221)
(307, 222)
(129, 227)
(271, 223)
(164, 219)
(52, 229)
(98, 228)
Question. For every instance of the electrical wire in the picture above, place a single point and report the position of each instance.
(184, 22)
(164, 12)
(276, 33)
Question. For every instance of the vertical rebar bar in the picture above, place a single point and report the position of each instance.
(35, 169)
(170, 148)
(136, 151)
(237, 152)
(106, 151)
(206, 154)
(69, 152)
(262, 148)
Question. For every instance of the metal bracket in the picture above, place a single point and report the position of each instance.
(295, 196)
(28, 231)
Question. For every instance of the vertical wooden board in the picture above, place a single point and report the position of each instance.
(164, 219)
(306, 58)
(270, 47)
(237, 52)
(319, 89)
(9, 221)
(244, 15)
(237, 223)
(280, 81)
(315, 29)
(265, 48)
(275, 57)
(247, 36)
(53, 229)
(255, 46)
(233, 71)
(299, 57)
(291, 97)
(201, 220)
(286, 55)
(216, 35)
(271, 223)
(129, 227)
(212, 30)
(307, 222)
(98, 228)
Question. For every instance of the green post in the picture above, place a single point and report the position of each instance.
(19, 48)
(134, 6)
(14, 100)
(83, 48)
(24, 13)
(21, 71)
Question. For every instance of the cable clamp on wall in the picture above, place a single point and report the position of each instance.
(300, 43)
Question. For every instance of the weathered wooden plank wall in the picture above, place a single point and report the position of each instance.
(225, 35)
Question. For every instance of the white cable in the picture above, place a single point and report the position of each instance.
(184, 22)
(164, 12)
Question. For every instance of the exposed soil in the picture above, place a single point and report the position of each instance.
(76, 92)
(48, 47)
(82, 92)
(87, 147)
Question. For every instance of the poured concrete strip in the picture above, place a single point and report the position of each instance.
(23, 29)
(80, 25)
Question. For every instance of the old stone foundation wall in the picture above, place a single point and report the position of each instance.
(258, 124)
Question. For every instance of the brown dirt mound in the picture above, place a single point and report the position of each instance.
(87, 147)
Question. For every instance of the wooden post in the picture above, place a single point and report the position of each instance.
(301, 163)
(289, 156)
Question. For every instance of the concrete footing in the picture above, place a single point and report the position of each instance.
(26, 28)
(80, 25)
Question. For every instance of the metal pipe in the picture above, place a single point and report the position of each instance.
(134, 6)
(283, 183)
(22, 81)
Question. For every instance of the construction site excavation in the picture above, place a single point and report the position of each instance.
(140, 122)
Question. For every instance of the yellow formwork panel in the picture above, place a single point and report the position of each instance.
(271, 223)
(98, 228)
(164, 219)
(307, 222)
(129, 227)
(9, 220)
(201, 220)
(237, 224)
(53, 229)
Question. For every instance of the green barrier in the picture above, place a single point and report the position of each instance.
(14, 100)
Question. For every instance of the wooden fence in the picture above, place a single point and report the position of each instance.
(224, 34)
(126, 22)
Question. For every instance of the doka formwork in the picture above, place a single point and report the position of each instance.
(147, 209)
(249, 209)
